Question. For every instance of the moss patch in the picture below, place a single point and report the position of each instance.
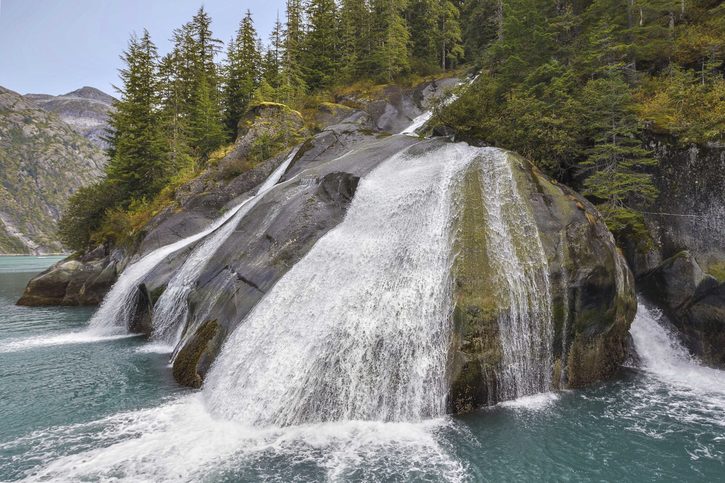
(477, 348)
(197, 354)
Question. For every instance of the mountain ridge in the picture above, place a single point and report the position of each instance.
(43, 161)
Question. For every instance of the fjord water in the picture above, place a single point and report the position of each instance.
(108, 410)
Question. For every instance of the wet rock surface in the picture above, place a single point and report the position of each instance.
(592, 291)
(693, 301)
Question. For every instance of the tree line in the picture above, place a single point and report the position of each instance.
(176, 109)
(582, 87)
(575, 85)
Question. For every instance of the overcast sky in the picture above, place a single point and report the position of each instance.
(57, 46)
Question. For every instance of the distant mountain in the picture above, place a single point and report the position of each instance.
(86, 110)
(42, 162)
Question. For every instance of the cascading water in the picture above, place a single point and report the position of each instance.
(521, 280)
(564, 283)
(171, 310)
(663, 356)
(359, 328)
(117, 308)
(417, 123)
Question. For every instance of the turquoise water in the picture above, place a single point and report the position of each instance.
(78, 407)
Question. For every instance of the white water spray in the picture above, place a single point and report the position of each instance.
(359, 328)
(417, 123)
(664, 357)
(171, 311)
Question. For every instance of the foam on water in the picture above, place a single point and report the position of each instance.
(535, 402)
(38, 341)
(181, 441)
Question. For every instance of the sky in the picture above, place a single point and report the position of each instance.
(57, 46)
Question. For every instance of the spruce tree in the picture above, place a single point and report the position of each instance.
(292, 84)
(423, 21)
(390, 51)
(206, 126)
(272, 63)
(138, 166)
(321, 43)
(355, 40)
(450, 41)
(619, 180)
(244, 64)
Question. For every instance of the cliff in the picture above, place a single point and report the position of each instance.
(43, 161)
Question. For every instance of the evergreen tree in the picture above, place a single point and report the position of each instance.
(619, 179)
(138, 166)
(320, 50)
(174, 96)
(272, 63)
(449, 39)
(292, 84)
(390, 54)
(422, 17)
(244, 64)
(206, 126)
(479, 26)
(354, 39)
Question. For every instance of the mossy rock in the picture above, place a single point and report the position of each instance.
(195, 358)
(592, 294)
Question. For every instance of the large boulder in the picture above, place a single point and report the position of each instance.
(695, 303)
(77, 280)
(592, 300)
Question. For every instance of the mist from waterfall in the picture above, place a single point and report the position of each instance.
(171, 311)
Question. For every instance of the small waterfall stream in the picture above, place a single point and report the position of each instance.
(171, 310)
(521, 280)
(117, 308)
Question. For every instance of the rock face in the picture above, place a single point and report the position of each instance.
(395, 107)
(690, 209)
(695, 303)
(684, 272)
(86, 110)
(81, 280)
(592, 293)
(43, 161)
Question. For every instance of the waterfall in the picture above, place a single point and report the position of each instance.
(520, 278)
(564, 283)
(417, 123)
(663, 356)
(359, 328)
(171, 310)
(117, 308)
